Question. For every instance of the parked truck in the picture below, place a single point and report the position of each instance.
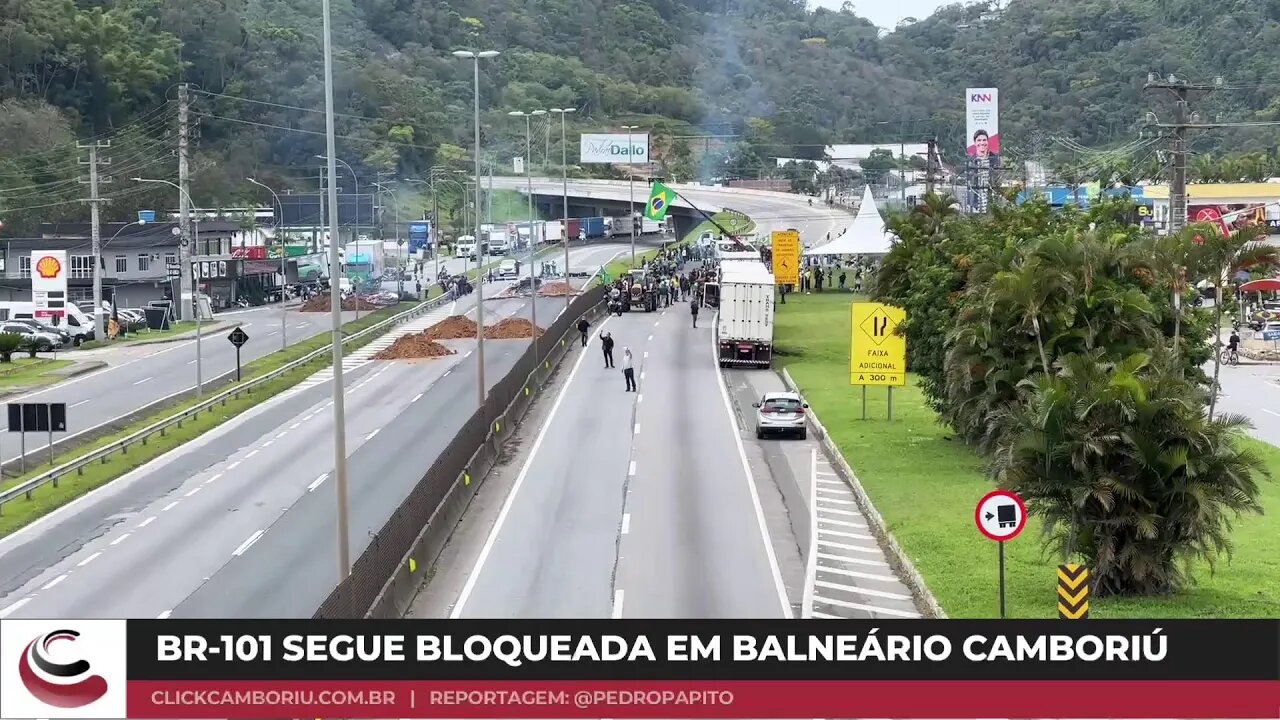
(594, 227)
(744, 327)
(622, 226)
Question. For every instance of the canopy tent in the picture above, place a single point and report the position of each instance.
(866, 235)
(1264, 285)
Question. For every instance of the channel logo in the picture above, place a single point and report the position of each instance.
(62, 669)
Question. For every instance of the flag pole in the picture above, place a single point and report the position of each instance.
(708, 218)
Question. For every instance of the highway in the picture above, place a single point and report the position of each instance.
(240, 522)
(1252, 390)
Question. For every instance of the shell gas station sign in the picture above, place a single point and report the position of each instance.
(49, 283)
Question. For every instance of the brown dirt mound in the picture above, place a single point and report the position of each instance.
(556, 289)
(414, 347)
(511, 329)
(323, 303)
(454, 327)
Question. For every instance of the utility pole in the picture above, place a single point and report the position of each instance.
(99, 317)
(187, 246)
(931, 165)
(1183, 120)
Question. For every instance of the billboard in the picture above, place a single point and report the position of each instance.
(982, 123)
(302, 210)
(49, 283)
(615, 148)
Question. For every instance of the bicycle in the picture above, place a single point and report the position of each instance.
(1230, 357)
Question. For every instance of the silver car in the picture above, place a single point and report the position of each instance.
(781, 413)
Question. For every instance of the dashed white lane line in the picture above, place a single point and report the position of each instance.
(641, 374)
(632, 470)
(89, 559)
(626, 523)
(244, 546)
(639, 397)
(647, 354)
(82, 402)
(191, 362)
(233, 465)
(250, 454)
(295, 426)
(636, 431)
(164, 615)
(1271, 412)
(446, 372)
(316, 483)
(281, 434)
(170, 506)
(369, 437)
(14, 607)
(54, 582)
(192, 491)
(655, 323)
(121, 539)
(268, 443)
(212, 478)
(146, 522)
(416, 398)
(144, 380)
(617, 604)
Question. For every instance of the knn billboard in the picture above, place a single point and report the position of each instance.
(982, 122)
(615, 148)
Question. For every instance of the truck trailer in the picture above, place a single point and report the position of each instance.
(744, 323)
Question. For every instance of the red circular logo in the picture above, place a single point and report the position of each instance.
(1000, 515)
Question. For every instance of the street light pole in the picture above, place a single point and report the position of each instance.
(564, 217)
(355, 181)
(284, 320)
(528, 173)
(195, 286)
(475, 57)
(631, 187)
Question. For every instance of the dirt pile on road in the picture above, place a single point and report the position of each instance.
(454, 327)
(324, 303)
(414, 347)
(511, 329)
(556, 289)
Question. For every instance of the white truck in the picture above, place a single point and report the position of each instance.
(621, 226)
(744, 323)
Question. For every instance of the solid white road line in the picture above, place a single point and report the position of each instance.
(14, 607)
(247, 543)
(316, 483)
(121, 539)
(1271, 412)
(626, 523)
(515, 489)
(772, 557)
(54, 581)
(617, 604)
(89, 559)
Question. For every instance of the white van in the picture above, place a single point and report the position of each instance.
(76, 323)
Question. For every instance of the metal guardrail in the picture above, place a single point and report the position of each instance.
(122, 445)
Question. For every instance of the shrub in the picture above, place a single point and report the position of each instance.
(9, 343)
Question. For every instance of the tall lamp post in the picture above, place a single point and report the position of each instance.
(195, 287)
(355, 181)
(284, 320)
(528, 173)
(564, 217)
(475, 57)
(631, 188)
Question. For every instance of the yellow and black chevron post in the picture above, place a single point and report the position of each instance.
(1073, 592)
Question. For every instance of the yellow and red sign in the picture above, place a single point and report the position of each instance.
(48, 267)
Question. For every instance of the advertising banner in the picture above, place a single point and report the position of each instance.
(517, 164)
(982, 122)
(615, 148)
(49, 283)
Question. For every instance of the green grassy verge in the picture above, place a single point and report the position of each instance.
(175, 328)
(17, 514)
(925, 483)
(30, 372)
(733, 222)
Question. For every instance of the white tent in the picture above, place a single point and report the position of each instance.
(865, 236)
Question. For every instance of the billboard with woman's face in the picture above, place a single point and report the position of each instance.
(982, 122)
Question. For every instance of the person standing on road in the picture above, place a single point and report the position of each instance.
(693, 308)
(583, 327)
(628, 369)
(606, 344)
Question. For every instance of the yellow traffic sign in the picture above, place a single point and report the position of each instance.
(786, 257)
(878, 350)
(1073, 592)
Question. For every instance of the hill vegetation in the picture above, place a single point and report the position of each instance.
(783, 80)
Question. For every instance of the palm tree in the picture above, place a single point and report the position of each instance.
(1219, 257)
(1027, 287)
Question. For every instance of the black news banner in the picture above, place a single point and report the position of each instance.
(697, 669)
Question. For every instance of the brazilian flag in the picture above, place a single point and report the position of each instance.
(660, 199)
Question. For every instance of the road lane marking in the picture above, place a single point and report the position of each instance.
(82, 402)
(841, 523)
(295, 426)
(626, 523)
(864, 608)
(89, 559)
(281, 434)
(234, 465)
(617, 604)
(856, 574)
(250, 454)
(647, 354)
(54, 581)
(489, 542)
(14, 607)
(418, 397)
(120, 539)
(732, 417)
(164, 615)
(851, 560)
(316, 483)
(641, 374)
(851, 536)
(247, 543)
(446, 373)
(861, 591)
(146, 522)
(369, 437)
(143, 380)
(1271, 412)
(213, 477)
(268, 443)
(192, 491)
(191, 362)
(170, 506)
(632, 469)
(655, 323)
(838, 512)
(636, 431)
(639, 398)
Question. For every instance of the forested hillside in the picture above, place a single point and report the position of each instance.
(783, 79)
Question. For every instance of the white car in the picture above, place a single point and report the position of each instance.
(781, 413)
(508, 270)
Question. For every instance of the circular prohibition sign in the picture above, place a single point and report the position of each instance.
(1000, 515)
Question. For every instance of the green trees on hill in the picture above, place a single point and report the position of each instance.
(1051, 342)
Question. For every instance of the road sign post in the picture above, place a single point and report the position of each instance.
(1001, 516)
(877, 349)
(785, 256)
(37, 417)
(238, 337)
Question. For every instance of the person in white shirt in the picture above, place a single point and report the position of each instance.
(628, 369)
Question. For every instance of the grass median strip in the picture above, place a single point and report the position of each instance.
(29, 373)
(21, 512)
(925, 483)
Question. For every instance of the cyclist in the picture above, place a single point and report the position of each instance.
(1233, 347)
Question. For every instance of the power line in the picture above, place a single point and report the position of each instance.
(288, 107)
(312, 132)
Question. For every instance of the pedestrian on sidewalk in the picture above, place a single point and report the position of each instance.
(628, 369)
(606, 344)
(583, 327)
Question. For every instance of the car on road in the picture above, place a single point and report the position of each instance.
(781, 413)
(44, 341)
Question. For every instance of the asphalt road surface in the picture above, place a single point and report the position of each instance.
(632, 504)
(240, 522)
(1252, 390)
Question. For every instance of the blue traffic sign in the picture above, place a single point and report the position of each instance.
(1271, 334)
